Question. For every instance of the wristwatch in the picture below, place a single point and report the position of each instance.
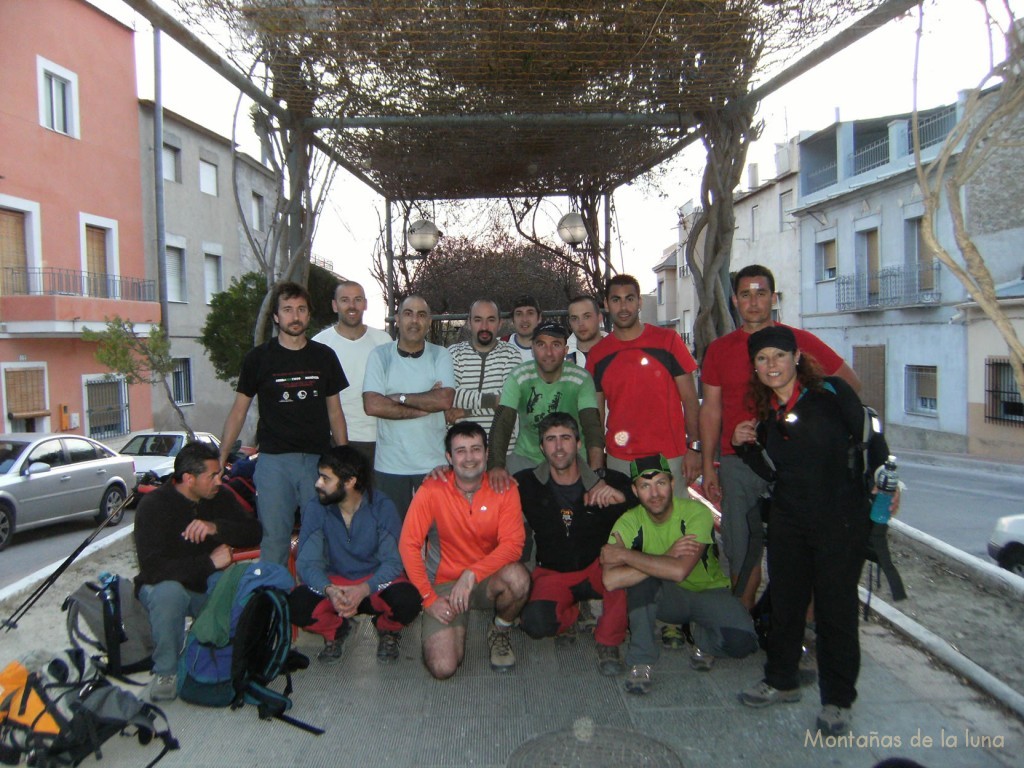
(402, 399)
(695, 446)
(601, 473)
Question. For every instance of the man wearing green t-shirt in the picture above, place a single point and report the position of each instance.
(546, 384)
(662, 554)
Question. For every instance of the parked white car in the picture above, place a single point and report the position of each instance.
(1006, 544)
(155, 451)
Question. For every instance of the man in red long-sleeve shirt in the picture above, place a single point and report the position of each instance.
(474, 537)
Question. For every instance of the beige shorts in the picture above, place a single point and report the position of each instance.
(478, 600)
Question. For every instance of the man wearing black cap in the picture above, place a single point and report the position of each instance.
(725, 379)
(661, 552)
(533, 390)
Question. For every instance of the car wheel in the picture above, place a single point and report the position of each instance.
(6, 525)
(1013, 560)
(112, 498)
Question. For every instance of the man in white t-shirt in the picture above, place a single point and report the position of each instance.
(353, 341)
(585, 322)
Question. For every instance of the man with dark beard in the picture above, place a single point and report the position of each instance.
(481, 366)
(297, 381)
(348, 559)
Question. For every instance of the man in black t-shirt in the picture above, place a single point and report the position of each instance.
(297, 381)
(571, 512)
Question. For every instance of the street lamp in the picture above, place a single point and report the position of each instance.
(571, 229)
(423, 236)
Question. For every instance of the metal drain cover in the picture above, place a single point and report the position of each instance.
(590, 746)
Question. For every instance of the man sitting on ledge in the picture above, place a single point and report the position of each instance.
(184, 532)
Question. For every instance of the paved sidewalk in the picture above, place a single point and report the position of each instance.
(396, 715)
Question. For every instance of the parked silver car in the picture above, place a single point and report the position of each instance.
(47, 479)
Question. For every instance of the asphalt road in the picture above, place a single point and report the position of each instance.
(42, 547)
(959, 506)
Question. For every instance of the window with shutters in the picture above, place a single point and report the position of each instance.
(175, 277)
(213, 281)
(172, 163)
(96, 261)
(922, 390)
(25, 393)
(13, 253)
(207, 178)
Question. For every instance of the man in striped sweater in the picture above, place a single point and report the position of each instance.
(481, 366)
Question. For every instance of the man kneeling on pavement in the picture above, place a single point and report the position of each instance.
(661, 552)
(184, 531)
(460, 544)
(571, 511)
(348, 559)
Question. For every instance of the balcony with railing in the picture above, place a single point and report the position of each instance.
(889, 288)
(870, 156)
(39, 299)
(823, 176)
(932, 128)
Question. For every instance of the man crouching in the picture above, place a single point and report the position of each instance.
(474, 536)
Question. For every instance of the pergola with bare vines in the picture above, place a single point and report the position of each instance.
(434, 100)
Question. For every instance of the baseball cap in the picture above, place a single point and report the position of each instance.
(549, 328)
(648, 466)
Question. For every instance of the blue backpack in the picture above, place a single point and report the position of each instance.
(241, 642)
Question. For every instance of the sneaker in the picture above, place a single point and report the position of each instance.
(700, 661)
(586, 621)
(500, 644)
(608, 662)
(164, 688)
(672, 637)
(387, 646)
(833, 720)
(566, 639)
(763, 695)
(639, 679)
(331, 652)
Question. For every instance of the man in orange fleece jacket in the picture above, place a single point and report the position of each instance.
(474, 537)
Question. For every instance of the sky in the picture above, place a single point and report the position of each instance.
(871, 78)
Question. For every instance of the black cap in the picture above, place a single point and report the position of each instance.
(777, 336)
(550, 328)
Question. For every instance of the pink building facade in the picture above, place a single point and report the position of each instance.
(71, 229)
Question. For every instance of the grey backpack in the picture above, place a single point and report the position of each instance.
(108, 622)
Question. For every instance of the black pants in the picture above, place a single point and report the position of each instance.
(804, 562)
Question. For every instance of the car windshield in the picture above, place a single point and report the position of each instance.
(10, 450)
(153, 445)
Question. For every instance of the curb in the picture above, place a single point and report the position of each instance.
(960, 460)
(991, 576)
(948, 655)
(33, 579)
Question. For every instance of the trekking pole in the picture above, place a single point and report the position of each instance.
(12, 621)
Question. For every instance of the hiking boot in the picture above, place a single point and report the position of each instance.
(387, 646)
(833, 720)
(608, 662)
(500, 644)
(672, 637)
(586, 621)
(763, 695)
(700, 661)
(566, 639)
(331, 652)
(164, 688)
(639, 679)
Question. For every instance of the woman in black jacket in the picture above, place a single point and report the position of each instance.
(806, 438)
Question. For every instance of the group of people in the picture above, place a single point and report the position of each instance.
(430, 479)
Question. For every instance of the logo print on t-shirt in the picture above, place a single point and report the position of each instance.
(301, 394)
(284, 396)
